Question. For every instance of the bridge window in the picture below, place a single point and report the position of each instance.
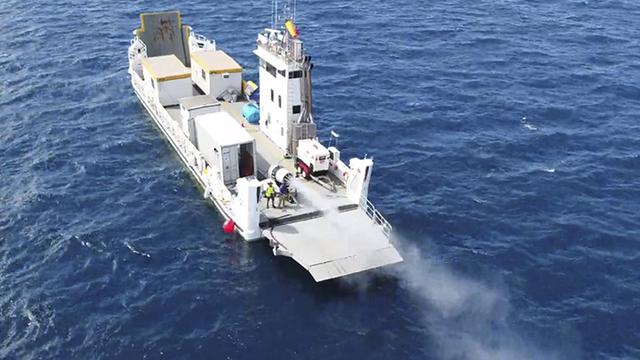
(204, 76)
(295, 74)
(272, 96)
(280, 101)
(282, 72)
(296, 109)
(271, 69)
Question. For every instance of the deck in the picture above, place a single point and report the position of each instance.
(312, 195)
(324, 231)
(335, 244)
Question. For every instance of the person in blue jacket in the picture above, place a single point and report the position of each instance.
(284, 194)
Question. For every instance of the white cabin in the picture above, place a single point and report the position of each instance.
(215, 72)
(195, 106)
(168, 79)
(226, 146)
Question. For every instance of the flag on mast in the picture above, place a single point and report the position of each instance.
(291, 28)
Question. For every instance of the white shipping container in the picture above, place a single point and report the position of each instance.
(168, 79)
(194, 106)
(214, 72)
(226, 146)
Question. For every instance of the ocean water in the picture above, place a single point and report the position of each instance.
(507, 156)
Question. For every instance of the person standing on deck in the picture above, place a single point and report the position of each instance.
(284, 195)
(270, 194)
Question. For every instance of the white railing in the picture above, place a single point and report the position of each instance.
(190, 153)
(340, 170)
(280, 47)
(200, 42)
(216, 188)
(376, 216)
(137, 49)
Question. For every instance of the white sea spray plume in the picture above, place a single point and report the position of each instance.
(466, 318)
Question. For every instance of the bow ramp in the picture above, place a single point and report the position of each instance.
(335, 243)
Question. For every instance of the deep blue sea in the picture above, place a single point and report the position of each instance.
(506, 140)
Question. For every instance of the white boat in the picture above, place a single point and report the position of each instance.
(196, 96)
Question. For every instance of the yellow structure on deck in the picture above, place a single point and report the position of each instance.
(216, 62)
(166, 68)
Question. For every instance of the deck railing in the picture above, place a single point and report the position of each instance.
(200, 42)
(376, 216)
(137, 49)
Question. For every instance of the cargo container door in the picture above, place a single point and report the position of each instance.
(192, 131)
(230, 163)
(246, 159)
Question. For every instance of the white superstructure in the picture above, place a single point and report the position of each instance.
(285, 89)
(193, 92)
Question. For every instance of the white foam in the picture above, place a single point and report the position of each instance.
(136, 251)
(478, 200)
(32, 318)
(526, 124)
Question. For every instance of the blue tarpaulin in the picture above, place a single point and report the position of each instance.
(251, 113)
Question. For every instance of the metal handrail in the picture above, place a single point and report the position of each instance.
(376, 216)
(140, 49)
(278, 48)
(201, 42)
